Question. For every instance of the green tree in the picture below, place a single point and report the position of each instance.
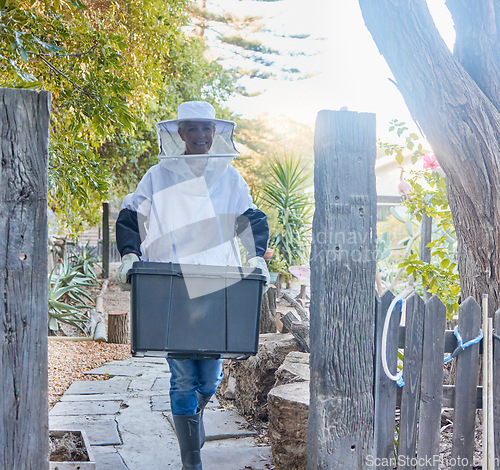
(284, 193)
(114, 68)
(241, 43)
(427, 195)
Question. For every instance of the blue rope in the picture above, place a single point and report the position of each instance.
(400, 380)
(461, 346)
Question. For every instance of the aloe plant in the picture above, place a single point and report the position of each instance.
(285, 192)
(69, 299)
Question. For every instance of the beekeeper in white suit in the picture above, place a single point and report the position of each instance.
(188, 209)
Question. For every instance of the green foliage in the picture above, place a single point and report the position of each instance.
(277, 263)
(284, 192)
(427, 196)
(114, 68)
(69, 299)
(237, 42)
(84, 261)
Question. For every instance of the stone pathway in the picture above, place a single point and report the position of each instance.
(127, 420)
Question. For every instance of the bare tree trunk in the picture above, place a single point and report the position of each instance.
(24, 136)
(118, 327)
(459, 120)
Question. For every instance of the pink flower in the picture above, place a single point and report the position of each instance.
(430, 162)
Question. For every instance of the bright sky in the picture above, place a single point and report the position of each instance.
(349, 69)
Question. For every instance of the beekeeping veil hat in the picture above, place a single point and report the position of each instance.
(172, 146)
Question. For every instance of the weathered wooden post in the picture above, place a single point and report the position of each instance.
(425, 239)
(341, 412)
(105, 240)
(24, 135)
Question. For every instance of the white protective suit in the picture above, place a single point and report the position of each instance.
(187, 219)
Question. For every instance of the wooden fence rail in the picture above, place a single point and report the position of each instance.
(423, 395)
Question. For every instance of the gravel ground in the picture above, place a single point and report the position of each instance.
(68, 360)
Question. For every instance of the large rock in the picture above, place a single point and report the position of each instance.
(295, 368)
(248, 382)
(288, 413)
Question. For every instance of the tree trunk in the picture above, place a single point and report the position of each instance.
(268, 311)
(341, 416)
(117, 327)
(459, 120)
(24, 136)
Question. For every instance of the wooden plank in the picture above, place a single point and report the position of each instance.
(496, 391)
(385, 388)
(448, 400)
(342, 309)
(24, 136)
(490, 397)
(450, 341)
(393, 200)
(469, 324)
(486, 383)
(412, 373)
(425, 239)
(432, 384)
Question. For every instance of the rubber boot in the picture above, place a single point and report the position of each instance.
(203, 401)
(187, 428)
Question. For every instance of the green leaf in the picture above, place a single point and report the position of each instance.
(399, 157)
(24, 54)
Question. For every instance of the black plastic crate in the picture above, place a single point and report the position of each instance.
(195, 311)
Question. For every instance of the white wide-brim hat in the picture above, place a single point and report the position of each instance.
(170, 143)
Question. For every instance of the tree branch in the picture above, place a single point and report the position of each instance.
(60, 72)
(477, 45)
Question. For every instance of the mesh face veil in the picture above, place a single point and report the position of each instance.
(208, 166)
(171, 144)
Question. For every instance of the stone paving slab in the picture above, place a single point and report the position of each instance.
(107, 459)
(145, 382)
(250, 458)
(91, 407)
(162, 383)
(117, 370)
(100, 431)
(160, 403)
(147, 361)
(223, 424)
(98, 386)
(94, 397)
(149, 441)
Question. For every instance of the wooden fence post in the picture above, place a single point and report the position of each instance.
(385, 388)
(431, 396)
(496, 390)
(105, 240)
(342, 309)
(464, 419)
(425, 239)
(412, 376)
(24, 135)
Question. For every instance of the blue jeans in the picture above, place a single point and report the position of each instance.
(190, 376)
